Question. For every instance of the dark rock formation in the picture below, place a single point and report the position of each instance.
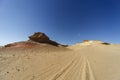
(39, 37)
(34, 40)
(42, 38)
(105, 43)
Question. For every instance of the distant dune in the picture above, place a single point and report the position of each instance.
(89, 60)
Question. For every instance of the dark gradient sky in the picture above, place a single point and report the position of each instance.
(66, 21)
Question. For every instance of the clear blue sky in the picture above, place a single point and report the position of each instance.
(65, 21)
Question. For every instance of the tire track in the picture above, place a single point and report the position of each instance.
(67, 68)
(87, 73)
(72, 72)
(79, 69)
(90, 71)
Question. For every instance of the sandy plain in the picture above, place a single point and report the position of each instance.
(84, 61)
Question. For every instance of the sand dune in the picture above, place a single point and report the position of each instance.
(86, 61)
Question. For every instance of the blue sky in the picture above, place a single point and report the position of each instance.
(65, 21)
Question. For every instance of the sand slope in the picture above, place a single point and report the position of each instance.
(78, 62)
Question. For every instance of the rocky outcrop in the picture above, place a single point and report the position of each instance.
(39, 37)
(95, 41)
(35, 39)
(105, 43)
(22, 44)
(86, 41)
(42, 38)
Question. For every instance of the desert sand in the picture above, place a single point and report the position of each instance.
(84, 61)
